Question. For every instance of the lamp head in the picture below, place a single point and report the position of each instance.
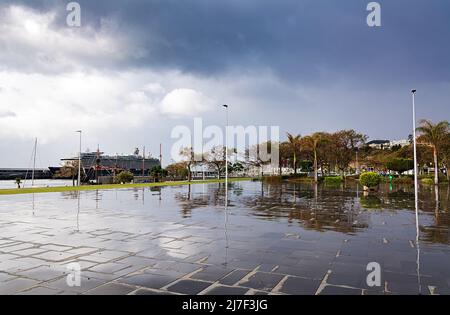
(226, 106)
(413, 91)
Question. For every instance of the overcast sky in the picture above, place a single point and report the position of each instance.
(135, 69)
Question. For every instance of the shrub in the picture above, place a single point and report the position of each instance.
(369, 179)
(124, 177)
(442, 178)
(333, 180)
(427, 181)
(400, 165)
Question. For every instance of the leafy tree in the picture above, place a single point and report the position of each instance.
(255, 155)
(284, 155)
(124, 177)
(235, 167)
(396, 147)
(69, 170)
(400, 165)
(344, 145)
(434, 135)
(177, 170)
(313, 142)
(294, 144)
(306, 166)
(190, 159)
(445, 155)
(216, 159)
(369, 179)
(157, 172)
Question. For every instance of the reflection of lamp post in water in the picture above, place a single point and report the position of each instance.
(33, 203)
(226, 230)
(226, 149)
(79, 160)
(226, 184)
(78, 212)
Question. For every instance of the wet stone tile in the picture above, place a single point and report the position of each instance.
(54, 256)
(30, 251)
(43, 273)
(225, 290)
(40, 291)
(55, 247)
(257, 292)
(349, 274)
(211, 273)
(111, 289)
(189, 287)
(300, 286)
(234, 277)
(152, 292)
(6, 277)
(262, 281)
(334, 290)
(100, 276)
(86, 284)
(82, 250)
(108, 267)
(148, 280)
(16, 285)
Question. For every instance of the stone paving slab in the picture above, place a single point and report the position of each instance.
(16, 285)
(111, 289)
(147, 280)
(226, 290)
(261, 281)
(156, 248)
(190, 287)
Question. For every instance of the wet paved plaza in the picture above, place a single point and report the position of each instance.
(272, 239)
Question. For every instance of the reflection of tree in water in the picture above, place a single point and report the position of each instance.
(136, 191)
(433, 201)
(317, 208)
(188, 201)
(436, 204)
(326, 208)
(370, 202)
(69, 194)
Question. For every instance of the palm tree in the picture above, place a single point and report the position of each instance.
(313, 141)
(434, 135)
(294, 143)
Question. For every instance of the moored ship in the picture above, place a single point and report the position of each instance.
(94, 164)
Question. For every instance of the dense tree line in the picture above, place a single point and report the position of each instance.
(341, 152)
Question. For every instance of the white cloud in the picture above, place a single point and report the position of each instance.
(49, 106)
(32, 42)
(7, 113)
(185, 102)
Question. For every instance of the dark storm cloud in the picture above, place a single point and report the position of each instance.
(311, 41)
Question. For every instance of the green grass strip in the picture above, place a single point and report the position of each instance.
(40, 190)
